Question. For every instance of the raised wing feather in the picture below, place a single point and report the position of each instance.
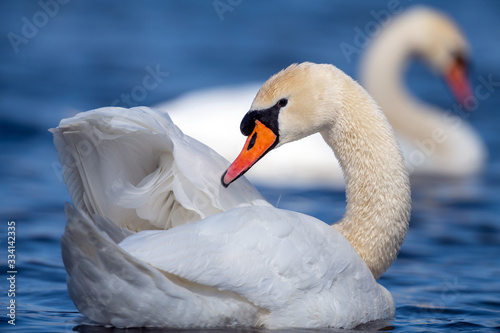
(135, 167)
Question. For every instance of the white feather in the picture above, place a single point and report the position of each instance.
(135, 167)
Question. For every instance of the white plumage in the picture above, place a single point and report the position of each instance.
(229, 269)
(228, 257)
(135, 167)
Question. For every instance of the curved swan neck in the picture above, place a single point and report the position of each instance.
(377, 185)
(430, 34)
(321, 98)
(381, 74)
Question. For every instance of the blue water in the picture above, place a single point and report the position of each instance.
(447, 276)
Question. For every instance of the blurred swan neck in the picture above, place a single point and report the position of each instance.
(377, 185)
(381, 74)
(382, 67)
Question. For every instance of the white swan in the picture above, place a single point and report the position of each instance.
(434, 142)
(254, 265)
(309, 163)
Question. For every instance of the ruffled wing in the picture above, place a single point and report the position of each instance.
(136, 168)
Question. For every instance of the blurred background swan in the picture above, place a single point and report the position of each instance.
(435, 142)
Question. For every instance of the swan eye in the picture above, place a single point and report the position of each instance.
(460, 59)
(282, 102)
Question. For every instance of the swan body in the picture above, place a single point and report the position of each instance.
(251, 264)
(434, 142)
(216, 272)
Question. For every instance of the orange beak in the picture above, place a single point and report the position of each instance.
(457, 81)
(259, 142)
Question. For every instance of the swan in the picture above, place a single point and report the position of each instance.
(434, 142)
(314, 166)
(252, 265)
